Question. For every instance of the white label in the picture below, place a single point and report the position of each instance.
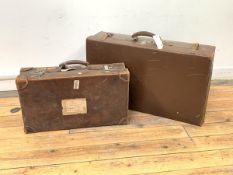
(158, 41)
(76, 84)
(74, 106)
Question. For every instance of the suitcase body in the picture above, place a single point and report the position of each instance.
(172, 82)
(87, 96)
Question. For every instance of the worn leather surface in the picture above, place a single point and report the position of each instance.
(172, 82)
(41, 91)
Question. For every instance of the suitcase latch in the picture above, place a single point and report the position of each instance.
(107, 67)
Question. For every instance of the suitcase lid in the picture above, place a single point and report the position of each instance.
(73, 71)
(148, 43)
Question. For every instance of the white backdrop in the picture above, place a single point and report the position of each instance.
(46, 32)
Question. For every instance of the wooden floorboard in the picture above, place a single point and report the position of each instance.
(221, 170)
(5, 94)
(148, 145)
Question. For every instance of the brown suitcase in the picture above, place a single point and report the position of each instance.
(73, 96)
(172, 82)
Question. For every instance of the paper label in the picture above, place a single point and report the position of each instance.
(74, 106)
(158, 41)
(76, 84)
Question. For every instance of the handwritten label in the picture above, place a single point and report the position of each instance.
(74, 106)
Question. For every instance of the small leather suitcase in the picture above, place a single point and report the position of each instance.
(73, 96)
(172, 82)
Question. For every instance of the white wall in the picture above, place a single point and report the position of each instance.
(46, 32)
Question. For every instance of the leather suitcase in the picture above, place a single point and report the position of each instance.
(172, 82)
(73, 96)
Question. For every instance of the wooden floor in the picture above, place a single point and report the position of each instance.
(149, 145)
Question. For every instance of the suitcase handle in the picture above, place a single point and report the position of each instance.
(64, 64)
(142, 33)
(157, 39)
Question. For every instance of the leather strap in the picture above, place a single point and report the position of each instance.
(195, 46)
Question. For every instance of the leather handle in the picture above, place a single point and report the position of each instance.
(141, 33)
(64, 64)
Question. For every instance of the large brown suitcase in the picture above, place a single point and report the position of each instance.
(172, 82)
(76, 96)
